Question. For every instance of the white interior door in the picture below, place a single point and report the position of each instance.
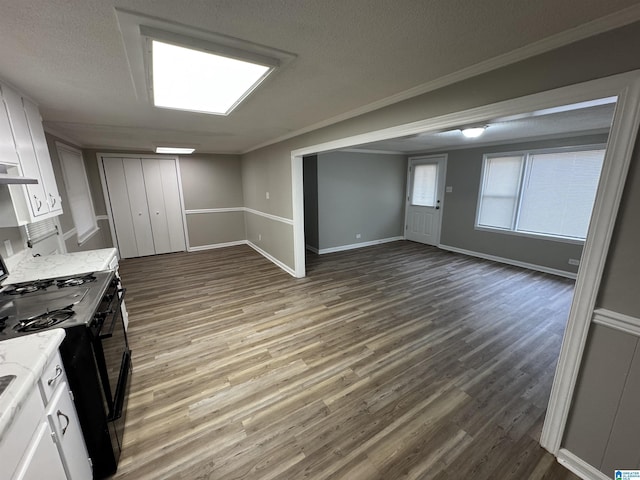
(425, 196)
(134, 177)
(163, 197)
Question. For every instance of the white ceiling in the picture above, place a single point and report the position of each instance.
(70, 58)
(534, 126)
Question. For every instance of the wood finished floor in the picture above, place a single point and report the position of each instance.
(398, 361)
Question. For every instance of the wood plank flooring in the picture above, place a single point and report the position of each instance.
(398, 361)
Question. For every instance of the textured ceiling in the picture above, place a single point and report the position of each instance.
(583, 121)
(70, 58)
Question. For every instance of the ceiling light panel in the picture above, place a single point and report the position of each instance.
(175, 150)
(199, 81)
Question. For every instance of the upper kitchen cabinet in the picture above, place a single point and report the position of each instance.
(22, 204)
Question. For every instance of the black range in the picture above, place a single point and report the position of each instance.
(95, 351)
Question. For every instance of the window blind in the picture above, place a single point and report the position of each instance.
(425, 181)
(500, 191)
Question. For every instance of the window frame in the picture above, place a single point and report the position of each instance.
(65, 178)
(524, 170)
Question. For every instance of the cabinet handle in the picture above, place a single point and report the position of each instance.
(39, 203)
(60, 414)
(58, 373)
(53, 200)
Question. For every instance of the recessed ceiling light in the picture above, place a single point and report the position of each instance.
(178, 150)
(473, 132)
(200, 81)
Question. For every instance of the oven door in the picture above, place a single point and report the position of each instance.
(113, 358)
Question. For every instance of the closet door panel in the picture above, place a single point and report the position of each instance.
(155, 199)
(169, 175)
(139, 207)
(120, 208)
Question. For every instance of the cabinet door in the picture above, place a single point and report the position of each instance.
(42, 155)
(41, 459)
(7, 145)
(26, 152)
(139, 206)
(64, 422)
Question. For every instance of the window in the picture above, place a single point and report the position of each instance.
(425, 185)
(78, 193)
(549, 193)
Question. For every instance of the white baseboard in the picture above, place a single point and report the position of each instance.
(273, 259)
(312, 249)
(508, 261)
(216, 245)
(579, 466)
(619, 321)
(353, 246)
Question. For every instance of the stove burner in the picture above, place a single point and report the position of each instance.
(75, 281)
(29, 287)
(45, 320)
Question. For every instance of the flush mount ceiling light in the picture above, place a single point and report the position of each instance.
(199, 81)
(181, 67)
(175, 150)
(473, 132)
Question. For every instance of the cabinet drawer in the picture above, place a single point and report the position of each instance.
(16, 440)
(53, 376)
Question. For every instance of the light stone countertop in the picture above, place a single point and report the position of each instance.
(25, 357)
(63, 265)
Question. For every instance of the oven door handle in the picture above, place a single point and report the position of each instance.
(120, 293)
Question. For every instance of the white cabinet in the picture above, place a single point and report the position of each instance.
(8, 154)
(45, 440)
(41, 459)
(22, 204)
(144, 198)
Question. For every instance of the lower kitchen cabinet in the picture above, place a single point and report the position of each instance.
(47, 441)
(41, 459)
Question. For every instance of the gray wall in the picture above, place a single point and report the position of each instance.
(360, 193)
(604, 421)
(310, 176)
(596, 57)
(464, 171)
(269, 168)
(208, 182)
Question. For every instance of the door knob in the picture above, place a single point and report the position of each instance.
(157, 213)
(139, 214)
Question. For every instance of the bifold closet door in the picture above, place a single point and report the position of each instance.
(163, 198)
(129, 209)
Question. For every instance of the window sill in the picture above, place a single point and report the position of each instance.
(87, 236)
(537, 236)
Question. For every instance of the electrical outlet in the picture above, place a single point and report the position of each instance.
(574, 261)
(267, 195)
(449, 189)
(358, 235)
(259, 236)
(8, 248)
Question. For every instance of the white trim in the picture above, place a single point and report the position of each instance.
(212, 246)
(354, 246)
(618, 321)
(185, 230)
(609, 22)
(87, 236)
(198, 211)
(605, 210)
(273, 259)
(374, 152)
(102, 218)
(508, 261)
(579, 466)
(69, 233)
(539, 236)
(312, 249)
(52, 131)
(288, 221)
